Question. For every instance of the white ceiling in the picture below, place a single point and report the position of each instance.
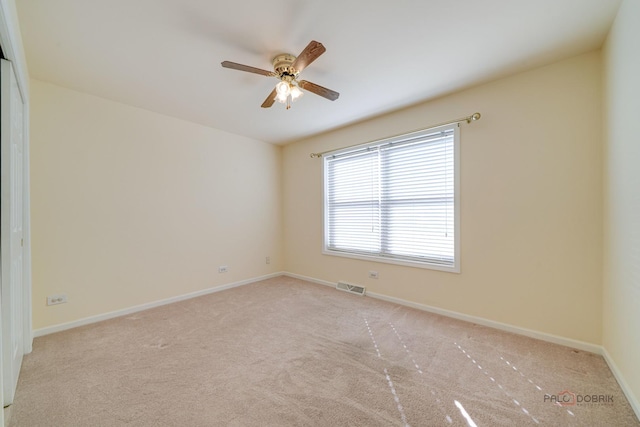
(164, 55)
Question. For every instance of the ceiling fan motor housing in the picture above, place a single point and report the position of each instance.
(282, 66)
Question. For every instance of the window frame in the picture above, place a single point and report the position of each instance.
(455, 268)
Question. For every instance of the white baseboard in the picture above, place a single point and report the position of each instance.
(117, 313)
(310, 279)
(633, 400)
(556, 339)
(580, 345)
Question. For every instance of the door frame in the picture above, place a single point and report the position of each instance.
(11, 43)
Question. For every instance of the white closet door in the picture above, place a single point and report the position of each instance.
(11, 227)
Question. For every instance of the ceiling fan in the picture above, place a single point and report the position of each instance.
(287, 67)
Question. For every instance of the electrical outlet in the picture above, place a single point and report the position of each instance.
(268, 260)
(223, 269)
(373, 274)
(56, 299)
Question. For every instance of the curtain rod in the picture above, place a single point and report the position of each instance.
(472, 118)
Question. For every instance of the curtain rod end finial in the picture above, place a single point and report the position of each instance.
(475, 116)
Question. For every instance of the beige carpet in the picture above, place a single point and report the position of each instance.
(284, 352)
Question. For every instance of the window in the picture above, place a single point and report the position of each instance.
(395, 200)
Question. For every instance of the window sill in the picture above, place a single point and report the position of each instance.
(405, 263)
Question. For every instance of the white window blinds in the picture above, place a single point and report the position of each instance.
(395, 199)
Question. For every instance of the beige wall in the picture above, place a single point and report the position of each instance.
(621, 333)
(130, 207)
(531, 203)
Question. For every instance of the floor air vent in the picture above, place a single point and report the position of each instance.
(358, 290)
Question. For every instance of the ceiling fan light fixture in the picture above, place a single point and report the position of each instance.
(282, 98)
(283, 89)
(295, 92)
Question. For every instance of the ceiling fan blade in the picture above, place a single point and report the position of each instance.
(270, 99)
(248, 69)
(331, 95)
(310, 53)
